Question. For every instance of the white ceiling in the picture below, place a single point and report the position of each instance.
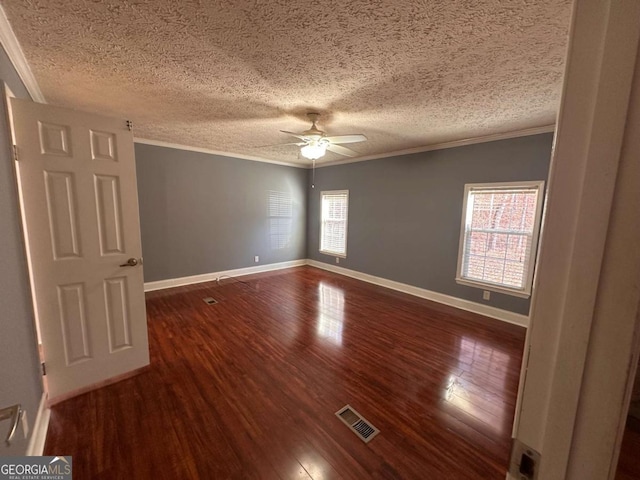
(227, 76)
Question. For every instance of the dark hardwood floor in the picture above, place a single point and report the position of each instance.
(249, 387)
(629, 462)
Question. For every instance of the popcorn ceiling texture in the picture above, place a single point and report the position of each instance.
(228, 76)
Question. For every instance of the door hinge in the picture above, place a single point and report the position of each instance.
(130, 125)
(44, 369)
(15, 153)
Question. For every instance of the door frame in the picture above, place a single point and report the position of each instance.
(8, 95)
(581, 284)
(40, 422)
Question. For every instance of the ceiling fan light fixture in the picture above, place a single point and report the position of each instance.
(313, 151)
(315, 143)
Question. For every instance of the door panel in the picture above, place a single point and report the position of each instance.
(78, 189)
(118, 318)
(61, 205)
(73, 323)
(103, 146)
(109, 214)
(54, 139)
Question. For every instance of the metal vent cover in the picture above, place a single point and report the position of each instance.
(357, 423)
(209, 300)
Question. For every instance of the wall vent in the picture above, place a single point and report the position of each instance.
(357, 423)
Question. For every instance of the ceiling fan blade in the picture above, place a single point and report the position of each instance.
(297, 135)
(347, 152)
(357, 137)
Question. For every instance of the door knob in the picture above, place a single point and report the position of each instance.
(13, 413)
(132, 262)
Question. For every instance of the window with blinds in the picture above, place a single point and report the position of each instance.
(499, 236)
(333, 222)
(280, 212)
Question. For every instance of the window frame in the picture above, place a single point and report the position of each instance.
(525, 291)
(346, 223)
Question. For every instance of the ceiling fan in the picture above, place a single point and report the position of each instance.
(315, 142)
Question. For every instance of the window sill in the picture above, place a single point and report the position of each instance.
(493, 288)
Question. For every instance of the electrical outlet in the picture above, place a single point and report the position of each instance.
(256, 259)
(486, 295)
(337, 259)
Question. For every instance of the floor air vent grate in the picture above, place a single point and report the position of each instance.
(209, 300)
(357, 423)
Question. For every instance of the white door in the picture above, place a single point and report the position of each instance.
(77, 181)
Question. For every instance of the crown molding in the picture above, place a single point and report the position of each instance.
(427, 148)
(158, 143)
(441, 146)
(11, 45)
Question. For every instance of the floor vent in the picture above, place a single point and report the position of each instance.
(357, 423)
(209, 300)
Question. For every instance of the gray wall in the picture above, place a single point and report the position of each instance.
(20, 380)
(405, 211)
(203, 213)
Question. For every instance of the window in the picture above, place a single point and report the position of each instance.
(333, 222)
(280, 212)
(499, 235)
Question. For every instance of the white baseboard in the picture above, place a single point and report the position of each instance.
(486, 310)
(35, 447)
(493, 312)
(209, 277)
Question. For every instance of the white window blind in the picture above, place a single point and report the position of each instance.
(499, 236)
(333, 228)
(280, 211)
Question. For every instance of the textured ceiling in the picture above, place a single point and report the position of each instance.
(227, 76)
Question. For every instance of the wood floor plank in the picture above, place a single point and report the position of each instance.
(249, 387)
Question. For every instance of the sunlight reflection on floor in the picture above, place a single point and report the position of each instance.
(330, 313)
(480, 386)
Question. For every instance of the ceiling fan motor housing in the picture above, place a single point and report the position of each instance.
(313, 131)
